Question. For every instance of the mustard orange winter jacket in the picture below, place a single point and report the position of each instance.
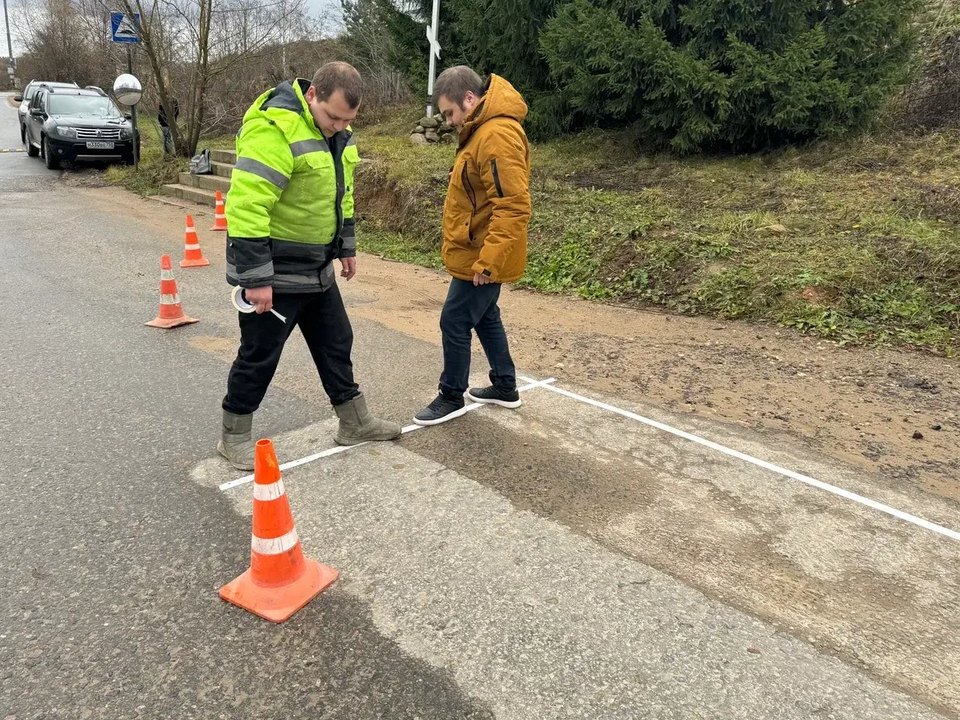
(487, 209)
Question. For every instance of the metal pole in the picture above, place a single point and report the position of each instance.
(133, 111)
(433, 56)
(6, 22)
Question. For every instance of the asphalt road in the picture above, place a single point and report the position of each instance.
(481, 577)
(15, 165)
(108, 588)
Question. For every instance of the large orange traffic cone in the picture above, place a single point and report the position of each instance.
(192, 256)
(171, 311)
(220, 215)
(280, 580)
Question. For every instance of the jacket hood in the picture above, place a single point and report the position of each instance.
(286, 105)
(287, 96)
(501, 99)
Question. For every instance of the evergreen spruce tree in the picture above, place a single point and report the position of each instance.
(739, 74)
(405, 22)
(503, 37)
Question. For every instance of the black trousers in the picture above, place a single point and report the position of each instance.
(322, 320)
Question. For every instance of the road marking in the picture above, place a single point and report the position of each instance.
(899, 514)
(531, 385)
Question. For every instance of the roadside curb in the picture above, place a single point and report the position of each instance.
(194, 208)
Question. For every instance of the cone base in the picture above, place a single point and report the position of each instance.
(202, 262)
(278, 604)
(218, 229)
(170, 323)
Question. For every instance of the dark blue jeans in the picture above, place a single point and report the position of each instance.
(469, 308)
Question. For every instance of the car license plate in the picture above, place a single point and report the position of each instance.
(99, 145)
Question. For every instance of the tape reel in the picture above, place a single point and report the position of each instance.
(245, 306)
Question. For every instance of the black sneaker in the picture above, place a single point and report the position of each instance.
(440, 410)
(492, 396)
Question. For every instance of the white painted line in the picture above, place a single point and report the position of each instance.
(920, 522)
(531, 384)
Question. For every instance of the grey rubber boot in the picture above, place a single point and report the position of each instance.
(357, 425)
(237, 443)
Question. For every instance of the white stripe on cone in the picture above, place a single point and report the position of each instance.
(273, 491)
(169, 299)
(275, 546)
(192, 247)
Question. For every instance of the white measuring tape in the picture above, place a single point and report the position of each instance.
(245, 306)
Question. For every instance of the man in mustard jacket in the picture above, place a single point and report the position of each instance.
(290, 214)
(485, 221)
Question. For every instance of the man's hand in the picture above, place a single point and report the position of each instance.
(479, 279)
(262, 297)
(349, 265)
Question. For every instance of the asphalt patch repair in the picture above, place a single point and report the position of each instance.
(871, 589)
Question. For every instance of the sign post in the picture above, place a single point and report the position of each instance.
(125, 28)
(433, 32)
(12, 68)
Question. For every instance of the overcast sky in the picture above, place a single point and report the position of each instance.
(325, 8)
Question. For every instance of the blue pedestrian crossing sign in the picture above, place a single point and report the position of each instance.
(123, 27)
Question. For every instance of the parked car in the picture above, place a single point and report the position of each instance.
(28, 92)
(70, 124)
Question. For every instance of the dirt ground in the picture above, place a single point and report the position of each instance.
(893, 412)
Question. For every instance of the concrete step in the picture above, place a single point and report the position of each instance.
(222, 169)
(224, 156)
(191, 193)
(206, 182)
(214, 182)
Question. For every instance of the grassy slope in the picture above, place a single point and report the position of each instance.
(856, 241)
(155, 169)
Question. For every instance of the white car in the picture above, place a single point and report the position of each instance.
(28, 92)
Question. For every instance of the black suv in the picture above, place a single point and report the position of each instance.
(28, 92)
(70, 124)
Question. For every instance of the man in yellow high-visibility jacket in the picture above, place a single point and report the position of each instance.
(290, 215)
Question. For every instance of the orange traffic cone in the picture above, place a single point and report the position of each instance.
(280, 580)
(171, 312)
(192, 256)
(220, 216)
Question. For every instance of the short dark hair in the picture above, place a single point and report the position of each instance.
(454, 84)
(339, 76)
